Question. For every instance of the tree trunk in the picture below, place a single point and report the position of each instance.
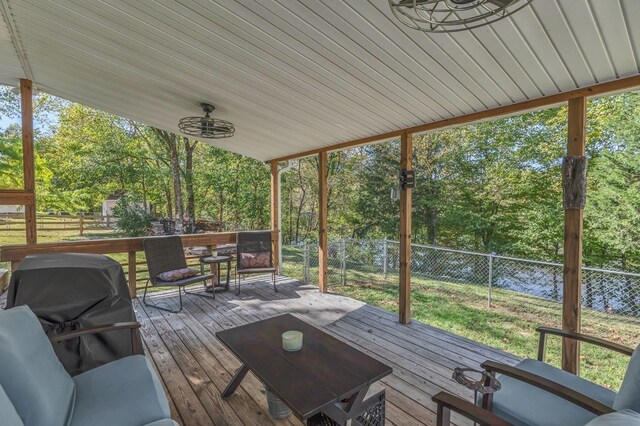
(188, 184)
(169, 142)
(167, 192)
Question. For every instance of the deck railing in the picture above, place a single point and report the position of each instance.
(118, 246)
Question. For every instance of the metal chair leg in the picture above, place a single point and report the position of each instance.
(154, 305)
(274, 283)
(238, 280)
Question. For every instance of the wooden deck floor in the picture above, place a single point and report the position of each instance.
(195, 367)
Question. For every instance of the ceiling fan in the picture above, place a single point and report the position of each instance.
(445, 16)
(206, 127)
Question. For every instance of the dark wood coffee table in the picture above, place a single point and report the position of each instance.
(325, 376)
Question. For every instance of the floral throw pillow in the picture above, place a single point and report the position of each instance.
(177, 274)
(254, 260)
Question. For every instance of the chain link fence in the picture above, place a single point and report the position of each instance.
(377, 262)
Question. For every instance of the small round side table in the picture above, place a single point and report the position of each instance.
(215, 262)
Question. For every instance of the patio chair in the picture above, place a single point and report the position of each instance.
(166, 254)
(254, 252)
(536, 393)
(36, 390)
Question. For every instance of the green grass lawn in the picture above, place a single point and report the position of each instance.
(509, 324)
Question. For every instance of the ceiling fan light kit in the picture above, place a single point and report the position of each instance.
(206, 127)
(446, 16)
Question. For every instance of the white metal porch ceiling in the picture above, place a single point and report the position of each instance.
(295, 75)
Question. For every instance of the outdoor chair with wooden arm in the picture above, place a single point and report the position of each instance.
(35, 389)
(536, 393)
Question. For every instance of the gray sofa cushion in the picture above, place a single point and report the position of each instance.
(8, 413)
(125, 392)
(629, 394)
(523, 404)
(37, 384)
(619, 418)
(165, 422)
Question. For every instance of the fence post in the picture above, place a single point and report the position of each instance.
(305, 262)
(490, 279)
(132, 274)
(385, 257)
(81, 217)
(343, 263)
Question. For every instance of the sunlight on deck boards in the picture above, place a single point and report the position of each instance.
(195, 367)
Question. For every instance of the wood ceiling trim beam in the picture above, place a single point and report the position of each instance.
(619, 85)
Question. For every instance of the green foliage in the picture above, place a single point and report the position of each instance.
(132, 217)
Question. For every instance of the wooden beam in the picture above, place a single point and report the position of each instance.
(16, 197)
(133, 274)
(322, 222)
(618, 85)
(406, 149)
(275, 196)
(28, 163)
(572, 274)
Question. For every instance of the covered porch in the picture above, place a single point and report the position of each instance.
(307, 80)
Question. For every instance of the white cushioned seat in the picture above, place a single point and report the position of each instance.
(37, 384)
(523, 404)
(129, 385)
(619, 418)
(8, 413)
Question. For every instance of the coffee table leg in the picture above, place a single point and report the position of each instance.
(235, 381)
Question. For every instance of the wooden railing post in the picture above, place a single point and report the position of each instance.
(28, 164)
(406, 150)
(574, 186)
(275, 196)
(133, 276)
(81, 223)
(322, 222)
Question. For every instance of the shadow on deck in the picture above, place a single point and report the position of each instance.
(195, 367)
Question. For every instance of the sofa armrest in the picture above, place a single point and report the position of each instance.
(103, 328)
(580, 337)
(447, 402)
(550, 386)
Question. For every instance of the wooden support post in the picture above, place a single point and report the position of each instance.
(572, 274)
(275, 196)
(406, 149)
(28, 164)
(133, 276)
(322, 221)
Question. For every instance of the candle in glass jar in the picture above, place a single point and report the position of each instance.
(292, 340)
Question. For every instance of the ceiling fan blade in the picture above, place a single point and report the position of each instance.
(411, 2)
(501, 3)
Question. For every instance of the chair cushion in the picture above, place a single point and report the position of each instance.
(177, 274)
(35, 381)
(255, 260)
(164, 422)
(125, 392)
(10, 416)
(523, 404)
(619, 418)
(629, 393)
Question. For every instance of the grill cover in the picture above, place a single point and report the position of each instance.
(69, 291)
